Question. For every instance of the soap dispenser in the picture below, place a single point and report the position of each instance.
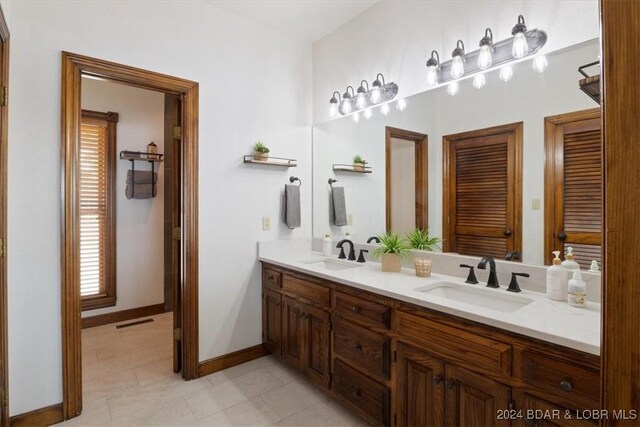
(556, 279)
(577, 291)
(569, 262)
(327, 245)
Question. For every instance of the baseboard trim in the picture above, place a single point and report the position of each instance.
(120, 316)
(46, 416)
(232, 359)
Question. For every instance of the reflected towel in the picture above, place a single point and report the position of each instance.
(339, 206)
(292, 206)
(141, 191)
(141, 177)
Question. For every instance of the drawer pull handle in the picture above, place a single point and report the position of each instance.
(437, 379)
(355, 309)
(566, 385)
(355, 391)
(448, 384)
(271, 278)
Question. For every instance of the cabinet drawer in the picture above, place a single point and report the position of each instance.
(271, 278)
(455, 344)
(576, 384)
(307, 289)
(361, 348)
(366, 397)
(361, 309)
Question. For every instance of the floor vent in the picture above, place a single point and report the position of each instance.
(137, 322)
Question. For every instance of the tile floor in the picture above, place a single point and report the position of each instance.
(128, 381)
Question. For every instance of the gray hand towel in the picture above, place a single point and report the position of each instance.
(141, 191)
(292, 206)
(339, 206)
(141, 177)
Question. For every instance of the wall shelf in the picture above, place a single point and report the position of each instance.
(351, 168)
(272, 161)
(141, 156)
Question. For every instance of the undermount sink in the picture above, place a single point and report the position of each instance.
(493, 299)
(333, 264)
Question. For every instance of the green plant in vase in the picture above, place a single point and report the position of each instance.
(391, 249)
(359, 163)
(260, 151)
(419, 239)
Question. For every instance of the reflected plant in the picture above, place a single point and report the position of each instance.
(420, 239)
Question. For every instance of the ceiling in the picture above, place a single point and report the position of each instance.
(310, 20)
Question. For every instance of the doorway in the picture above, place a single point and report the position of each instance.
(482, 193)
(4, 84)
(406, 164)
(185, 320)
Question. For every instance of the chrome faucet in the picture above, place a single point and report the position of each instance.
(352, 250)
(492, 282)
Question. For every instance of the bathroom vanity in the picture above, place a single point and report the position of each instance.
(401, 350)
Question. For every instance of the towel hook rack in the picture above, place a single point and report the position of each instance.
(293, 179)
(332, 181)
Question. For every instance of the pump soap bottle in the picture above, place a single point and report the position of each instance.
(556, 280)
(577, 292)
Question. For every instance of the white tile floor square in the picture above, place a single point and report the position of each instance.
(128, 381)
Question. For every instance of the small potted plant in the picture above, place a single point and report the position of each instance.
(391, 250)
(260, 152)
(359, 163)
(419, 239)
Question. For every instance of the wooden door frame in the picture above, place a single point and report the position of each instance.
(421, 174)
(4, 140)
(551, 147)
(447, 140)
(74, 66)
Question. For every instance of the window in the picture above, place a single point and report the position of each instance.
(97, 209)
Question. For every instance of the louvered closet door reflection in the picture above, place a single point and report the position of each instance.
(482, 182)
(578, 198)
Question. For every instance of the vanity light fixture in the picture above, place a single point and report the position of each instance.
(540, 63)
(384, 109)
(361, 99)
(457, 66)
(346, 100)
(376, 91)
(520, 47)
(453, 88)
(333, 104)
(479, 81)
(506, 73)
(401, 104)
(486, 49)
(433, 65)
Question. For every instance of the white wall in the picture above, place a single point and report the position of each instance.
(396, 37)
(529, 97)
(139, 223)
(255, 83)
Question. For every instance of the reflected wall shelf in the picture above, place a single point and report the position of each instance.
(351, 168)
(142, 156)
(272, 161)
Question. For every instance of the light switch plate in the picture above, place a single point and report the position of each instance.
(266, 223)
(535, 204)
(350, 219)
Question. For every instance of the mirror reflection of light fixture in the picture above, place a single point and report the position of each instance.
(486, 49)
(479, 81)
(506, 73)
(453, 88)
(457, 66)
(356, 116)
(384, 109)
(346, 100)
(433, 64)
(540, 63)
(361, 99)
(520, 47)
(367, 114)
(364, 98)
(401, 104)
(376, 91)
(333, 104)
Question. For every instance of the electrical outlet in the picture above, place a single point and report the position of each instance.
(535, 204)
(350, 219)
(266, 223)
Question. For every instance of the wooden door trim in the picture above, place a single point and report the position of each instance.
(4, 141)
(421, 174)
(73, 67)
(447, 162)
(620, 375)
(551, 147)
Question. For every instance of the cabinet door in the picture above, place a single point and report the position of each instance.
(292, 332)
(420, 388)
(540, 413)
(473, 400)
(272, 321)
(316, 345)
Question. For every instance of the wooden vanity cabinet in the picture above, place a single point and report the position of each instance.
(536, 412)
(272, 321)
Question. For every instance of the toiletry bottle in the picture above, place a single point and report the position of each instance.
(327, 245)
(594, 266)
(556, 279)
(569, 263)
(577, 293)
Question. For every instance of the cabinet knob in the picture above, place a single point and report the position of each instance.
(448, 384)
(562, 236)
(355, 391)
(271, 278)
(356, 346)
(566, 385)
(437, 379)
(507, 232)
(355, 309)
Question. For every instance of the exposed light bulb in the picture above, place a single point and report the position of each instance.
(401, 105)
(506, 73)
(432, 76)
(520, 46)
(367, 114)
(457, 67)
(384, 109)
(540, 63)
(356, 117)
(376, 94)
(346, 105)
(333, 109)
(361, 101)
(479, 81)
(453, 88)
(484, 58)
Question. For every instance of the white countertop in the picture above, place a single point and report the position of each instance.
(541, 318)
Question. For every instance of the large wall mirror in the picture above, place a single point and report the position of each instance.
(472, 167)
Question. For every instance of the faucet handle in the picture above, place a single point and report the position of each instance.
(471, 278)
(361, 257)
(513, 285)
